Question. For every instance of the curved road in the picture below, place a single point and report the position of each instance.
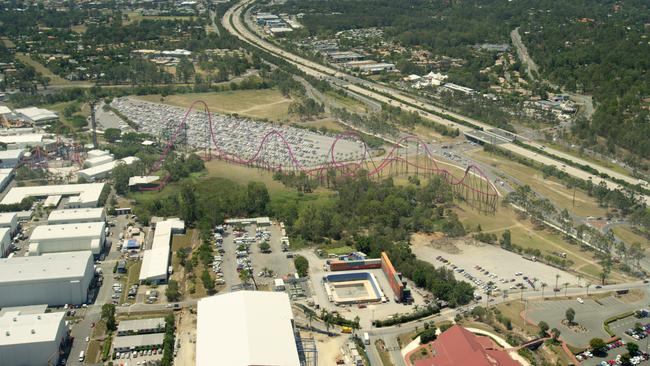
(232, 22)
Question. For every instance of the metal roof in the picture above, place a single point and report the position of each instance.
(48, 267)
(67, 231)
(85, 214)
(255, 328)
(88, 193)
(141, 324)
(17, 328)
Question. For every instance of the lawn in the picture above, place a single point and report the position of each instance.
(261, 104)
(626, 234)
(93, 353)
(550, 188)
(132, 277)
(59, 107)
(135, 16)
(604, 163)
(383, 354)
(513, 310)
(340, 250)
(347, 102)
(40, 68)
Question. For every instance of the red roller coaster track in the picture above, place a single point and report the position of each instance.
(474, 186)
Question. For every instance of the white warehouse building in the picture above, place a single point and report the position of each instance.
(79, 195)
(260, 330)
(103, 170)
(5, 241)
(68, 238)
(53, 279)
(9, 220)
(155, 262)
(76, 215)
(10, 158)
(31, 339)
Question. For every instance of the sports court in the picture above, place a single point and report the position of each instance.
(352, 288)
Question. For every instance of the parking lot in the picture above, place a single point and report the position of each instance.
(265, 267)
(591, 315)
(482, 264)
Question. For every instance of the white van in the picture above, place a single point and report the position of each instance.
(82, 356)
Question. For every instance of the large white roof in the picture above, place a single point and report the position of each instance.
(72, 214)
(87, 193)
(4, 110)
(49, 267)
(20, 328)
(246, 328)
(28, 138)
(106, 167)
(67, 231)
(6, 218)
(37, 114)
(155, 261)
(11, 154)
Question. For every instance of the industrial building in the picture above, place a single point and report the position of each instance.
(5, 241)
(103, 170)
(141, 326)
(92, 154)
(6, 175)
(260, 330)
(91, 162)
(10, 158)
(68, 238)
(76, 215)
(9, 220)
(36, 115)
(53, 279)
(138, 342)
(80, 195)
(143, 181)
(155, 262)
(22, 141)
(31, 339)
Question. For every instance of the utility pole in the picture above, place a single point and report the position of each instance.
(93, 121)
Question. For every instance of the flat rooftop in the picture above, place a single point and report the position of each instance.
(51, 266)
(71, 231)
(139, 324)
(75, 214)
(259, 330)
(7, 217)
(18, 328)
(138, 340)
(87, 193)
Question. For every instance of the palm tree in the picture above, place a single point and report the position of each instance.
(328, 324)
(543, 286)
(310, 316)
(356, 325)
(566, 284)
(557, 277)
(587, 286)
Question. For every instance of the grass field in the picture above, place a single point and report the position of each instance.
(513, 310)
(135, 16)
(7, 42)
(59, 107)
(263, 103)
(550, 188)
(627, 235)
(40, 68)
(349, 103)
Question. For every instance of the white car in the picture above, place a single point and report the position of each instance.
(580, 300)
(87, 339)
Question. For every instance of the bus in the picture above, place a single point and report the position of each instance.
(366, 338)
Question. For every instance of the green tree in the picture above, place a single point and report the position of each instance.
(302, 265)
(172, 292)
(632, 348)
(543, 328)
(506, 241)
(555, 333)
(597, 345)
(108, 315)
(265, 247)
(570, 315)
(112, 134)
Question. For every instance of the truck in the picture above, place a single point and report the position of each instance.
(366, 338)
(82, 356)
(345, 329)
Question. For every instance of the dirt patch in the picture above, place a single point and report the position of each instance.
(575, 327)
(436, 240)
(186, 333)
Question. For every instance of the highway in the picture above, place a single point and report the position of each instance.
(232, 22)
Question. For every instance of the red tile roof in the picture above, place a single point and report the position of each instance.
(458, 346)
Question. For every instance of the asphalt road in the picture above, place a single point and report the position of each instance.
(233, 24)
